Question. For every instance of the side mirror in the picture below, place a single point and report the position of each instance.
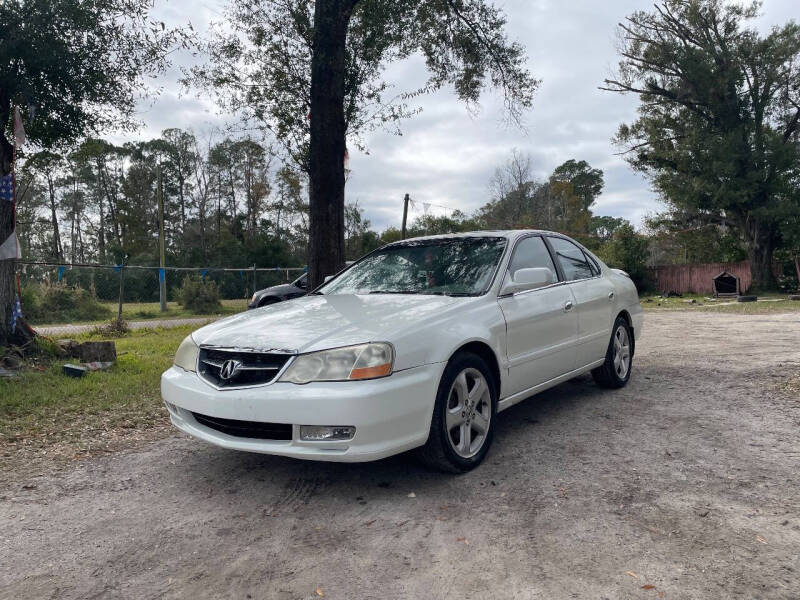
(327, 278)
(528, 279)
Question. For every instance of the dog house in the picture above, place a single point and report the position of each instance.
(726, 285)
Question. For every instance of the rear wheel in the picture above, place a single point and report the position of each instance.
(462, 425)
(616, 370)
(267, 301)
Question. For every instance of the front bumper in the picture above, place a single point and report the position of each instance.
(390, 415)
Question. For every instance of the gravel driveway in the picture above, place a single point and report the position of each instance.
(683, 485)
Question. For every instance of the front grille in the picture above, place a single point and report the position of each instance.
(243, 368)
(246, 429)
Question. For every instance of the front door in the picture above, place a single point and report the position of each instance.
(542, 325)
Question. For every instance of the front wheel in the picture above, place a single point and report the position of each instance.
(616, 370)
(462, 425)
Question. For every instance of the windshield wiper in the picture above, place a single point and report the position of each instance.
(394, 292)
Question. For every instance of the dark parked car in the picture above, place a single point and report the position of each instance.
(279, 293)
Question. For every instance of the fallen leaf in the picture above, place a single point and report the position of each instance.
(465, 540)
(319, 592)
(412, 495)
(632, 574)
(761, 539)
(368, 523)
(649, 586)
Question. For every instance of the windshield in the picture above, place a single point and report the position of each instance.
(452, 267)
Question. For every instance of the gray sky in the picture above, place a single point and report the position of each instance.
(447, 154)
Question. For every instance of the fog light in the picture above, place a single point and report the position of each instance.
(320, 433)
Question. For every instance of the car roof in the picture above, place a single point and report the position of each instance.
(510, 234)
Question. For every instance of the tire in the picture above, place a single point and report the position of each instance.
(268, 301)
(461, 404)
(612, 374)
(746, 298)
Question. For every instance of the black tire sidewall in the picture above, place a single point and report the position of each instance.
(268, 302)
(456, 366)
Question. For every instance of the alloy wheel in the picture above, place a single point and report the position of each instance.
(469, 411)
(622, 352)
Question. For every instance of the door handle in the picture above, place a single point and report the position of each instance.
(568, 306)
(611, 295)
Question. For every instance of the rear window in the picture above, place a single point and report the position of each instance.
(571, 259)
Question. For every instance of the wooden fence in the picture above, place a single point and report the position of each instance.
(698, 279)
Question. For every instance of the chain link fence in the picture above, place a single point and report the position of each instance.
(63, 299)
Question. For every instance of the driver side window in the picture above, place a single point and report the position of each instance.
(530, 253)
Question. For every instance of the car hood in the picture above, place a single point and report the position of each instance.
(318, 322)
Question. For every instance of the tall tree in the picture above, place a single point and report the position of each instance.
(311, 72)
(587, 183)
(48, 166)
(78, 65)
(717, 129)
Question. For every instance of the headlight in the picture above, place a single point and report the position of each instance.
(365, 361)
(186, 356)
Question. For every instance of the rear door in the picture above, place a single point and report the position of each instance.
(594, 299)
(542, 326)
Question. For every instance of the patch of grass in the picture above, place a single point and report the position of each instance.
(43, 407)
(766, 304)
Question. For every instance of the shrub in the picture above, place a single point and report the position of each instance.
(113, 329)
(628, 250)
(61, 303)
(199, 296)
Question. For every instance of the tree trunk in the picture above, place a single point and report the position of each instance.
(57, 252)
(8, 280)
(760, 252)
(797, 268)
(327, 144)
(181, 184)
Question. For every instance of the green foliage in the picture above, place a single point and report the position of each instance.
(199, 296)
(61, 303)
(717, 130)
(79, 63)
(677, 238)
(629, 251)
(437, 225)
(560, 204)
(260, 63)
(587, 183)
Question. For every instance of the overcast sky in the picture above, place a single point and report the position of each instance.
(447, 154)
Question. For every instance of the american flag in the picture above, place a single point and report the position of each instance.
(7, 188)
(16, 313)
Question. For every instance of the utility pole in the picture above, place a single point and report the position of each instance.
(405, 215)
(162, 280)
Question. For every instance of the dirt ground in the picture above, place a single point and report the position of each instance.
(682, 485)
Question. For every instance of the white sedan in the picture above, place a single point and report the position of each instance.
(418, 345)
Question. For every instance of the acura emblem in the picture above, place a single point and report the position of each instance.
(229, 369)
